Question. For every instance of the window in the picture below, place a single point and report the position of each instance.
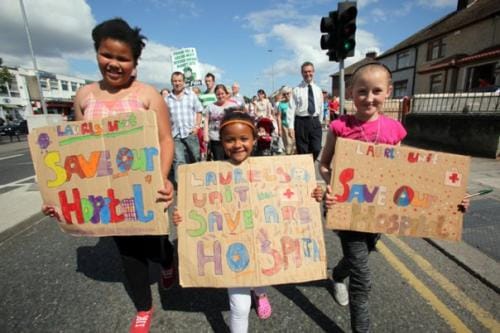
(481, 78)
(400, 88)
(54, 84)
(74, 86)
(43, 84)
(435, 49)
(3, 89)
(14, 89)
(436, 85)
(64, 85)
(403, 60)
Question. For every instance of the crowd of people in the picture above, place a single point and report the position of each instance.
(275, 117)
(219, 125)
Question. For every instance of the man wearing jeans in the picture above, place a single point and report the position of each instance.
(306, 109)
(185, 115)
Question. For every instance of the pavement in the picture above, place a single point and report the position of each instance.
(478, 252)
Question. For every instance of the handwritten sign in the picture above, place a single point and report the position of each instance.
(254, 224)
(103, 175)
(397, 190)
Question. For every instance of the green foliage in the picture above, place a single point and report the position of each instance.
(5, 76)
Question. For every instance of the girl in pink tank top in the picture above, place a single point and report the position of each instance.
(118, 48)
(94, 108)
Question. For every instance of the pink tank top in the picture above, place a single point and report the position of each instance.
(96, 109)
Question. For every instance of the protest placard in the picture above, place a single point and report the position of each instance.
(397, 190)
(254, 224)
(186, 61)
(102, 175)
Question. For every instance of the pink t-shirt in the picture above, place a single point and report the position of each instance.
(382, 130)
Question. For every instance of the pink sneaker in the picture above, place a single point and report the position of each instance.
(142, 322)
(262, 305)
(168, 277)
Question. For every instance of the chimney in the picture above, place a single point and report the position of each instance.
(371, 54)
(462, 4)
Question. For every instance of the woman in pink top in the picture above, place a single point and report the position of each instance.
(118, 48)
(214, 114)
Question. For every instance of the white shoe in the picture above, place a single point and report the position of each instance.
(340, 293)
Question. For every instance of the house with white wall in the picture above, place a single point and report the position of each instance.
(21, 96)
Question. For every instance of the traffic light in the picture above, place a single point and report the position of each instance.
(346, 29)
(329, 41)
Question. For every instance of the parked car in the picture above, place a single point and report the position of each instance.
(23, 126)
(14, 129)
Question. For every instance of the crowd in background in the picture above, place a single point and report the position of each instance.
(274, 123)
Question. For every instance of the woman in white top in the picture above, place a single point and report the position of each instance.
(263, 107)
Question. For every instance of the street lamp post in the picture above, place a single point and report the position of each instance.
(28, 34)
(272, 70)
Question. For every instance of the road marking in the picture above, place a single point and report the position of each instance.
(455, 323)
(483, 316)
(9, 157)
(17, 182)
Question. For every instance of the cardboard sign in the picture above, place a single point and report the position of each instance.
(397, 190)
(250, 225)
(103, 175)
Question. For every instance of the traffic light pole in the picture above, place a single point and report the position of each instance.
(342, 109)
(339, 29)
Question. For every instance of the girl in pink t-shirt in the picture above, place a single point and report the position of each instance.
(370, 86)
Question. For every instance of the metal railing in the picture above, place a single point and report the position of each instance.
(392, 108)
(451, 103)
(456, 103)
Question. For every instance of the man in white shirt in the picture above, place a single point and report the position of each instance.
(236, 94)
(306, 109)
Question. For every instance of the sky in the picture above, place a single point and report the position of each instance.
(257, 43)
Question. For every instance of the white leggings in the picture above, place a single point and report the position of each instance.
(240, 302)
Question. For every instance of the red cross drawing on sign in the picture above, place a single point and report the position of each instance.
(289, 193)
(454, 177)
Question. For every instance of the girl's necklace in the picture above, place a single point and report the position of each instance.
(376, 135)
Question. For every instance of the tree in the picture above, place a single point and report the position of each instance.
(5, 76)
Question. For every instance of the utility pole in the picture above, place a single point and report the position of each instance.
(28, 34)
(272, 70)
